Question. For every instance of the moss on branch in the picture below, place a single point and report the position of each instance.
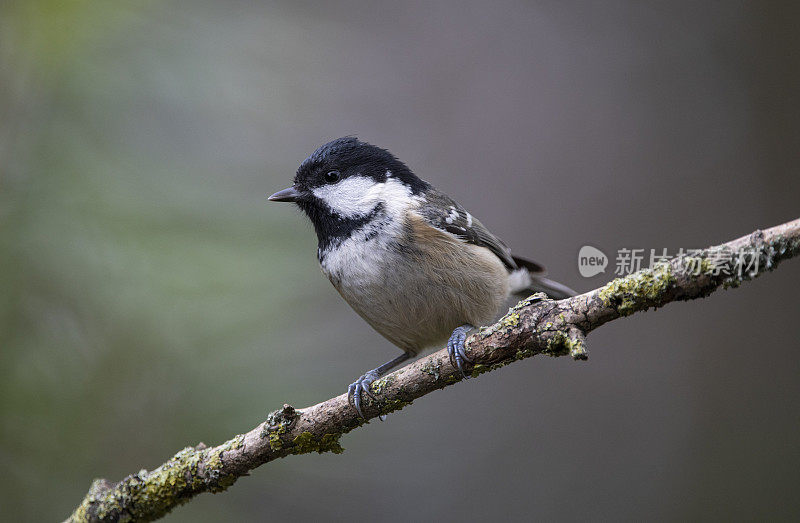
(536, 325)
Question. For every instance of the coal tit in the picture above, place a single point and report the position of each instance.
(411, 261)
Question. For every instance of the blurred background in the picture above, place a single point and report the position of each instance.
(150, 298)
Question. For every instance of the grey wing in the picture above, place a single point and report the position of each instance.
(446, 214)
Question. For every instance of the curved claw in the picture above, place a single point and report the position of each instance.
(456, 351)
(359, 387)
(366, 387)
(455, 357)
(362, 384)
(462, 350)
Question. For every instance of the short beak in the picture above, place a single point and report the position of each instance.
(287, 195)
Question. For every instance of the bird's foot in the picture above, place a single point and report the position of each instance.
(359, 387)
(455, 348)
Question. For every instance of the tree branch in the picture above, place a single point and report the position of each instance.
(535, 325)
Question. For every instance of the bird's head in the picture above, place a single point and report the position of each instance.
(347, 182)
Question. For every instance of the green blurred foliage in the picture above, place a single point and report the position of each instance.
(132, 288)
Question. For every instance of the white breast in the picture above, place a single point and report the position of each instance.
(416, 296)
(361, 259)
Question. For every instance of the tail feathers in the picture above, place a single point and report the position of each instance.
(555, 290)
(523, 282)
(532, 266)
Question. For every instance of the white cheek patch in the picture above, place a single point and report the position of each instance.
(357, 196)
(348, 198)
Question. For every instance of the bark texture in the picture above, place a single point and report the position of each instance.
(534, 326)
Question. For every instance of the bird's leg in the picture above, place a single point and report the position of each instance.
(455, 348)
(361, 385)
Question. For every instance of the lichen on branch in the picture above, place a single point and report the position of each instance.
(536, 325)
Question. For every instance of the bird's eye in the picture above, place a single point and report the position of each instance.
(332, 176)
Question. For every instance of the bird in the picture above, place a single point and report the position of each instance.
(410, 260)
